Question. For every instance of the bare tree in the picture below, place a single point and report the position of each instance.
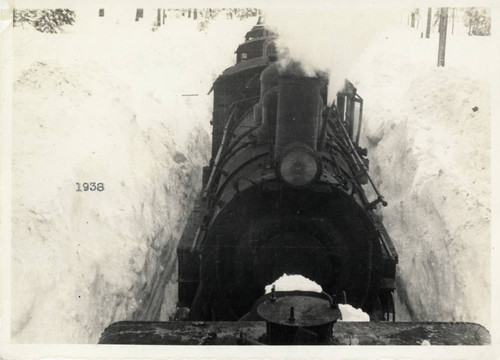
(428, 28)
(443, 24)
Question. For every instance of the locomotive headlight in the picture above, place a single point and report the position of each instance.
(298, 167)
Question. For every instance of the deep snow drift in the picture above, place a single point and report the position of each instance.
(428, 135)
(104, 102)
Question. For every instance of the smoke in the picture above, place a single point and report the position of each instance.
(327, 39)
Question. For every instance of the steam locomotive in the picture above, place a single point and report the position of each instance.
(283, 194)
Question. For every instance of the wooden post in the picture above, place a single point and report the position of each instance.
(412, 19)
(443, 23)
(428, 29)
(158, 17)
(164, 16)
(195, 14)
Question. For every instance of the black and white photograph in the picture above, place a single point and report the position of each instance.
(308, 179)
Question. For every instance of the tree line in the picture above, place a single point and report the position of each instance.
(477, 20)
(51, 20)
(205, 16)
(44, 20)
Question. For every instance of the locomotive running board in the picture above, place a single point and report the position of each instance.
(253, 333)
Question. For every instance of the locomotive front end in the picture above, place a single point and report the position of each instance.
(277, 203)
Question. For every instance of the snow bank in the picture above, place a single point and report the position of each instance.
(428, 134)
(104, 103)
(294, 282)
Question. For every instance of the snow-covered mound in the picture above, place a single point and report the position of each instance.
(427, 130)
(104, 104)
(293, 282)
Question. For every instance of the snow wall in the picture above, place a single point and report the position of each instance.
(106, 103)
(124, 106)
(427, 130)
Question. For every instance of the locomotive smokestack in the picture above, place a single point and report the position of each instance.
(297, 126)
(291, 105)
(299, 112)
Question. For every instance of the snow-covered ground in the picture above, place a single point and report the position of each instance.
(103, 102)
(428, 136)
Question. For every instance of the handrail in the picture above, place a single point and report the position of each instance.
(360, 120)
(360, 163)
(229, 125)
